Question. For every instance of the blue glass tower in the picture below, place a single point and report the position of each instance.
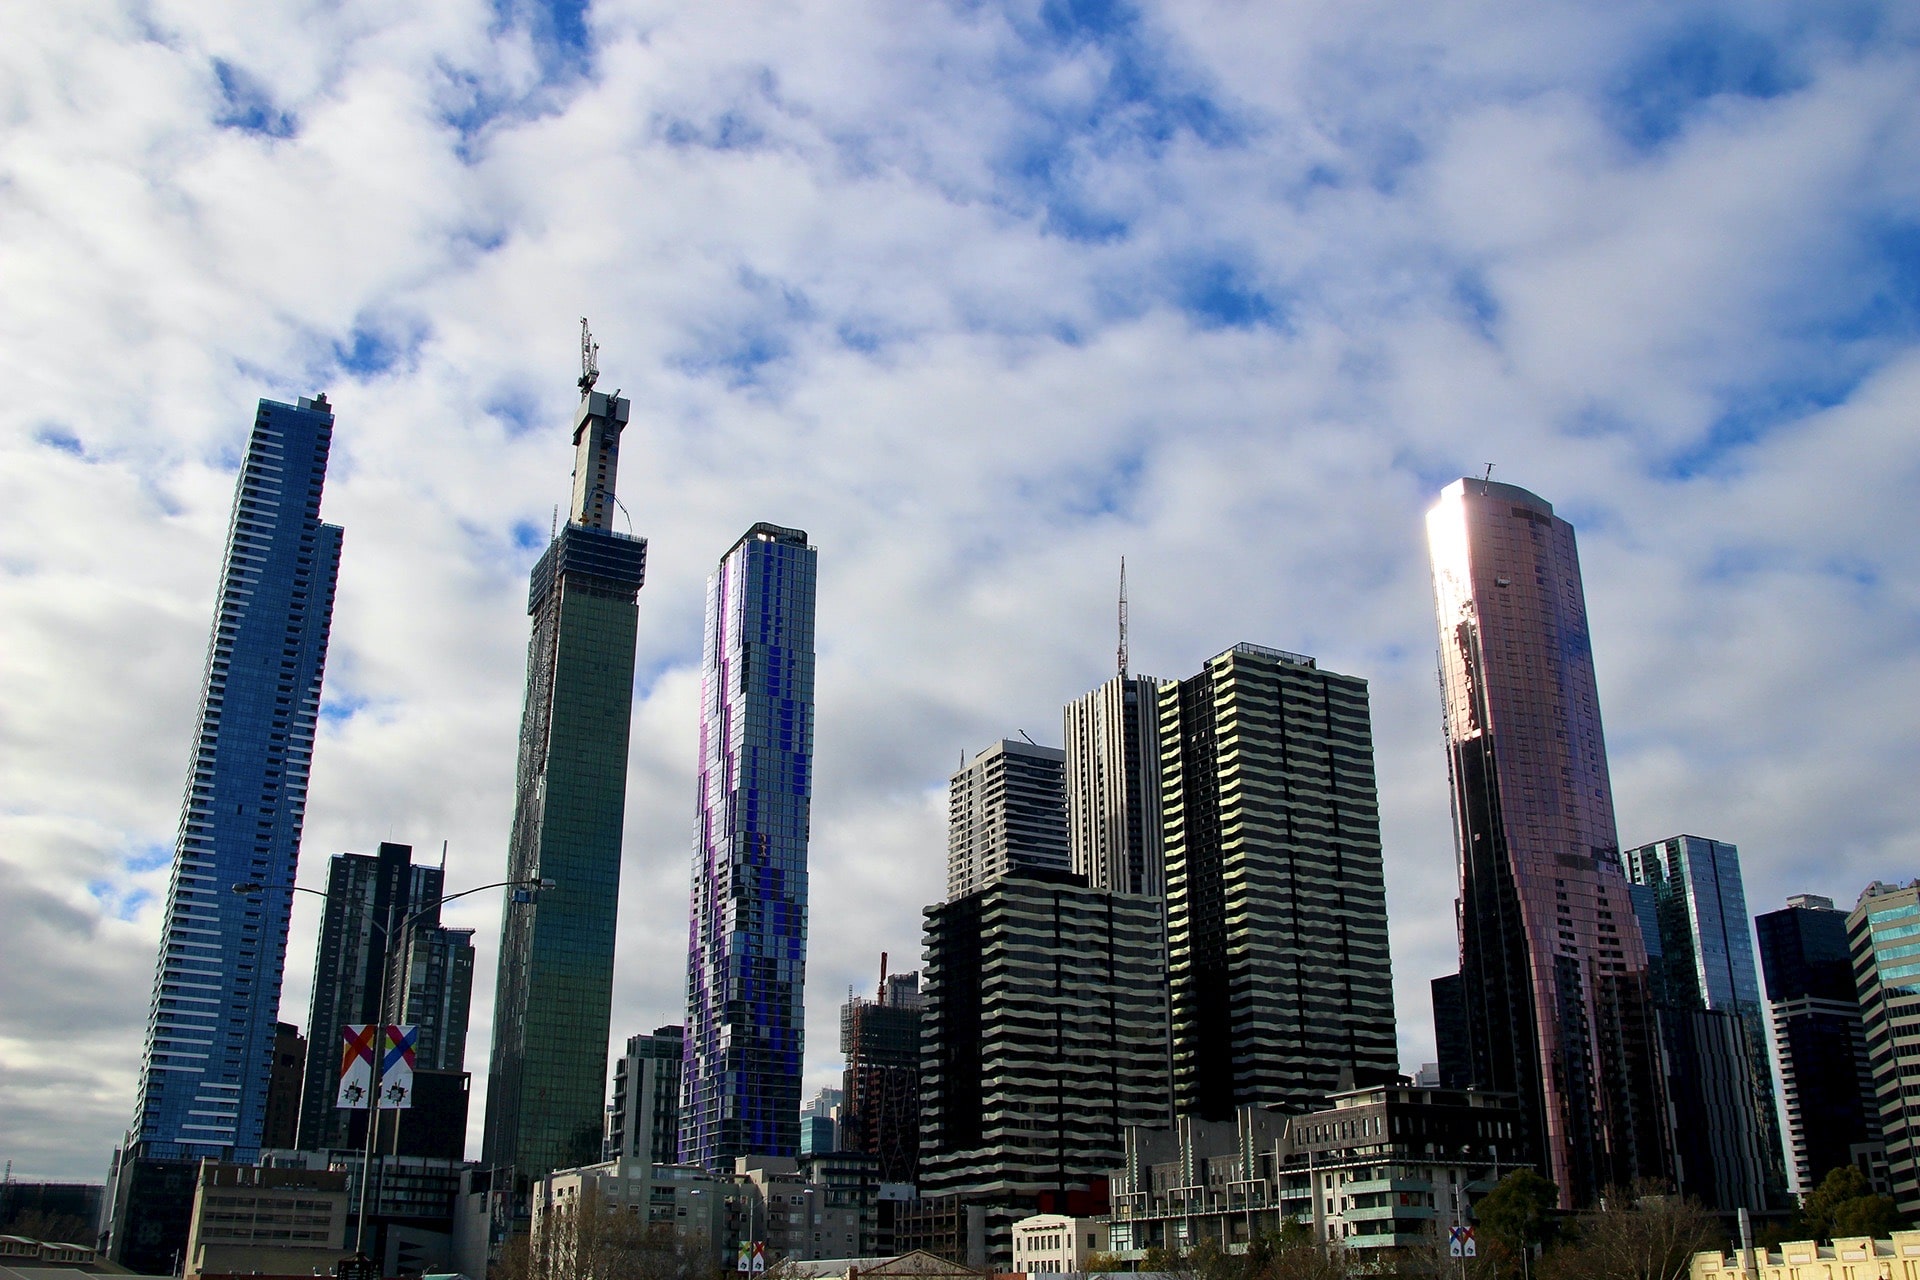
(216, 990)
(747, 938)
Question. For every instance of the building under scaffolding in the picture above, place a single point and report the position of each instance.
(880, 1115)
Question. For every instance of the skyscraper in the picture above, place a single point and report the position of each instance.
(216, 990)
(643, 1124)
(1045, 1039)
(364, 895)
(1114, 834)
(1881, 931)
(1825, 1081)
(1704, 979)
(1276, 904)
(553, 998)
(747, 936)
(1006, 812)
(1553, 968)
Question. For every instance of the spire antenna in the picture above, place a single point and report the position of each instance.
(1121, 655)
(1486, 480)
(589, 358)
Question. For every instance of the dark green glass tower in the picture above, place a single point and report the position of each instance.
(553, 999)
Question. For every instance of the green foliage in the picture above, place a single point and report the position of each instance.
(1844, 1204)
(1516, 1216)
(1102, 1263)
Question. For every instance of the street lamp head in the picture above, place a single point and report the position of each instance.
(248, 886)
(547, 883)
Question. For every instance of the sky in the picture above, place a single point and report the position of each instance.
(984, 296)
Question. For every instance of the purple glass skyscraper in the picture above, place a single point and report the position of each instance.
(1553, 968)
(747, 936)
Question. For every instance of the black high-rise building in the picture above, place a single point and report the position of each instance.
(1818, 1033)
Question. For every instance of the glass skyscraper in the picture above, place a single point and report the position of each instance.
(1705, 965)
(553, 1000)
(216, 991)
(1554, 977)
(747, 936)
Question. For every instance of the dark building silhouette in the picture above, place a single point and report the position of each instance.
(283, 1089)
(880, 1094)
(1825, 1080)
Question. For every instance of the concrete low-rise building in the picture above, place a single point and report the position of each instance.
(1380, 1167)
(1847, 1258)
(1055, 1244)
(266, 1221)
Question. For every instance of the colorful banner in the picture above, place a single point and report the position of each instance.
(396, 1067)
(1460, 1243)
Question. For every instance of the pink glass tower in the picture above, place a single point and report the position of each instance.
(1553, 968)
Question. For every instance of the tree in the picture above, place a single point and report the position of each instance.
(1101, 1263)
(1514, 1217)
(1639, 1235)
(50, 1228)
(1845, 1205)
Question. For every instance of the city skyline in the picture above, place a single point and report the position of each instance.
(985, 300)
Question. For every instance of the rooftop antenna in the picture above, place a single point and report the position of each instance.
(443, 861)
(881, 998)
(1486, 480)
(589, 358)
(1029, 737)
(1122, 654)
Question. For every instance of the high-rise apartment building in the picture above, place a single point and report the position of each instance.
(1883, 933)
(880, 1108)
(1728, 1145)
(1825, 1081)
(282, 1129)
(216, 992)
(1045, 1039)
(1006, 812)
(366, 896)
(1114, 832)
(1276, 905)
(1553, 967)
(747, 936)
(553, 999)
(643, 1124)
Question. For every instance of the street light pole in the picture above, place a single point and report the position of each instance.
(380, 1033)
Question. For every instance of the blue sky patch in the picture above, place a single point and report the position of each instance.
(1661, 90)
(55, 436)
(373, 349)
(1218, 294)
(1754, 413)
(149, 858)
(337, 710)
(247, 106)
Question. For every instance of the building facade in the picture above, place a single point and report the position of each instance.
(1883, 933)
(747, 933)
(1044, 1039)
(1006, 812)
(367, 895)
(1700, 961)
(282, 1128)
(1385, 1167)
(265, 1221)
(643, 1124)
(553, 997)
(1276, 906)
(1825, 1082)
(208, 1061)
(1112, 779)
(1553, 968)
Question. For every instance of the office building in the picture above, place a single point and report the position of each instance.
(282, 1127)
(880, 1040)
(431, 988)
(1276, 907)
(820, 1123)
(1044, 1033)
(1553, 969)
(1825, 1082)
(208, 1064)
(1006, 812)
(249, 1220)
(1883, 933)
(747, 940)
(553, 999)
(367, 896)
(1703, 978)
(643, 1124)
